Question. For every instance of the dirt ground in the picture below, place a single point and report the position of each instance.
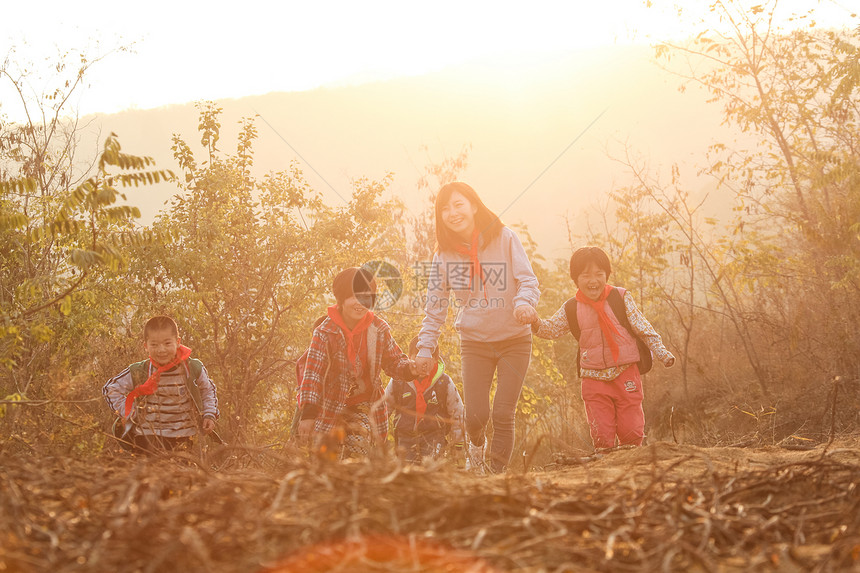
(662, 507)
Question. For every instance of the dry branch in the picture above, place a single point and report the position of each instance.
(663, 507)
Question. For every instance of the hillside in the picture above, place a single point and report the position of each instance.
(533, 156)
(660, 507)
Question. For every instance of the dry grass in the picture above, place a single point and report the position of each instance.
(661, 507)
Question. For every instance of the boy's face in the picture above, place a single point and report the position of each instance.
(161, 345)
(591, 281)
(352, 308)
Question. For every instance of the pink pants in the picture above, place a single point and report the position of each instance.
(615, 408)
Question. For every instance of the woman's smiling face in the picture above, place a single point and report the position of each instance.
(458, 214)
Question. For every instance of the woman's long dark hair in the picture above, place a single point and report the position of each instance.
(486, 222)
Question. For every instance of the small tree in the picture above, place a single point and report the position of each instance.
(64, 224)
(62, 231)
(249, 266)
(794, 94)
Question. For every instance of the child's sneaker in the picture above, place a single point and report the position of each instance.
(475, 457)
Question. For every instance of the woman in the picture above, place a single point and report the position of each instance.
(495, 293)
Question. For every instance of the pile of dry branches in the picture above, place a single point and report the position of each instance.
(661, 507)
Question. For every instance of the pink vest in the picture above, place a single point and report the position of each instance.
(594, 352)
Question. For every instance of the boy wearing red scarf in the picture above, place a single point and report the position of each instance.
(428, 413)
(161, 402)
(609, 355)
(341, 388)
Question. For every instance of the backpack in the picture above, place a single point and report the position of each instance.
(440, 387)
(616, 303)
(441, 390)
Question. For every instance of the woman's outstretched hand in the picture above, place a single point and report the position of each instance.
(423, 365)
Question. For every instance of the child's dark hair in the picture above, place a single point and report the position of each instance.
(584, 255)
(413, 349)
(486, 222)
(160, 322)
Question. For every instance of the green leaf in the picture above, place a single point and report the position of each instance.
(66, 305)
(12, 222)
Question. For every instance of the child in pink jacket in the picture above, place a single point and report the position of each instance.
(616, 343)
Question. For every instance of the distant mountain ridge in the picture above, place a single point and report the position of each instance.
(534, 159)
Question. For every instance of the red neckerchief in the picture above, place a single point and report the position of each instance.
(421, 385)
(151, 384)
(353, 337)
(472, 253)
(606, 326)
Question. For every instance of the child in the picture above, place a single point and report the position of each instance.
(609, 355)
(428, 412)
(341, 383)
(163, 400)
(495, 292)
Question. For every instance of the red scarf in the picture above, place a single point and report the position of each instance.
(606, 326)
(421, 385)
(151, 384)
(472, 253)
(353, 337)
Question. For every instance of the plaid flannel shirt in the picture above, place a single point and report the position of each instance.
(328, 380)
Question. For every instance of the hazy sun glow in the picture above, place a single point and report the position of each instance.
(185, 51)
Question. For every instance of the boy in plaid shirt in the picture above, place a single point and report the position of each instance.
(339, 394)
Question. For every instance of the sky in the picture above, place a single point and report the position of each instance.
(182, 51)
